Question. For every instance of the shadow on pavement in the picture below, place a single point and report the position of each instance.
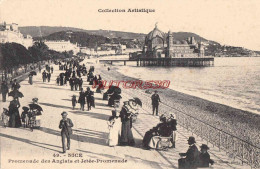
(89, 138)
(93, 115)
(42, 145)
(56, 88)
(54, 105)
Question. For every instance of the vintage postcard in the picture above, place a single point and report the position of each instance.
(129, 84)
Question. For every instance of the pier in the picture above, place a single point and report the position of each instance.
(182, 62)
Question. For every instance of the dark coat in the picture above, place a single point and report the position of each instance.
(4, 88)
(204, 160)
(81, 98)
(66, 126)
(155, 99)
(192, 157)
(15, 86)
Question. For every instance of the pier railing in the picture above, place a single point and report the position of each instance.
(234, 146)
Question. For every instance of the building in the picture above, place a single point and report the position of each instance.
(63, 46)
(161, 45)
(10, 33)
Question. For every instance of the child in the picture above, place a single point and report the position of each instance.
(24, 116)
(5, 117)
(204, 157)
(74, 101)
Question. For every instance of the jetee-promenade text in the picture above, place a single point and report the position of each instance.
(133, 84)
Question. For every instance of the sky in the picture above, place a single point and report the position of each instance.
(229, 22)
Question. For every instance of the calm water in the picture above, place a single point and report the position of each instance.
(232, 81)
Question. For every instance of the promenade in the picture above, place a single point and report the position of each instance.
(90, 134)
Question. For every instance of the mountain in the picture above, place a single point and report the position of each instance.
(47, 30)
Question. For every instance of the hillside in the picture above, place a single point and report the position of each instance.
(47, 30)
(92, 38)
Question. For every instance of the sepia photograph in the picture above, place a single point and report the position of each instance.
(129, 84)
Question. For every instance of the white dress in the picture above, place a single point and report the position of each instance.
(114, 127)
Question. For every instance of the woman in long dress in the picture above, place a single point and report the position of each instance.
(128, 109)
(15, 119)
(114, 126)
(30, 79)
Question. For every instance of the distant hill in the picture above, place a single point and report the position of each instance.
(92, 37)
(47, 30)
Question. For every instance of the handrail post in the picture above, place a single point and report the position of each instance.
(219, 139)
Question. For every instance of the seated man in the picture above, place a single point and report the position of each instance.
(191, 159)
(152, 137)
(204, 157)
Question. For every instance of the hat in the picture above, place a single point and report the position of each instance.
(191, 139)
(64, 113)
(35, 99)
(25, 108)
(155, 91)
(204, 146)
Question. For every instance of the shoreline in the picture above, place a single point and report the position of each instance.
(241, 123)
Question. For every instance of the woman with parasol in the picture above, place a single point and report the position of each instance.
(129, 109)
(35, 112)
(32, 73)
(14, 120)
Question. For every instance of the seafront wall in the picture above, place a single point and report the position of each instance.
(233, 130)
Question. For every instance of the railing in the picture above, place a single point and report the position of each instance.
(234, 146)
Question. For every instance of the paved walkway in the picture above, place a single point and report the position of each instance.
(89, 135)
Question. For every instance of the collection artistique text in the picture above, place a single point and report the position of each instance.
(142, 10)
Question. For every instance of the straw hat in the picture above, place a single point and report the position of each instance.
(64, 113)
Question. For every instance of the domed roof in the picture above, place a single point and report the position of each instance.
(176, 42)
(184, 42)
(155, 33)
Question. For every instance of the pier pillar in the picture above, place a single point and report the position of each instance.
(125, 63)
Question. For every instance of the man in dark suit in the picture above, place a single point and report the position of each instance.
(155, 102)
(66, 131)
(191, 160)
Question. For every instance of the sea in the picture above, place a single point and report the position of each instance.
(232, 81)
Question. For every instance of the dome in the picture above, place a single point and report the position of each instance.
(155, 33)
(184, 42)
(176, 42)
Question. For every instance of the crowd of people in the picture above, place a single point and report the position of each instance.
(120, 123)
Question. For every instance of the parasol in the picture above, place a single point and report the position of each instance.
(15, 93)
(33, 73)
(35, 106)
(25, 108)
(138, 101)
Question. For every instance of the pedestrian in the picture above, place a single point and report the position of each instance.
(15, 85)
(49, 76)
(61, 79)
(25, 116)
(129, 109)
(58, 80)
(76, 83)
(44, 75)
(81, 99)
(4, 90)
(114, 127)
(191, 159)
(15, 119)
(66, 131)
(30, 79)
(71, 81)
(204, 157)
(88, 94)
(155, 102)
(74, 101)
(80, 81)
(5, 117)
(51, 69)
